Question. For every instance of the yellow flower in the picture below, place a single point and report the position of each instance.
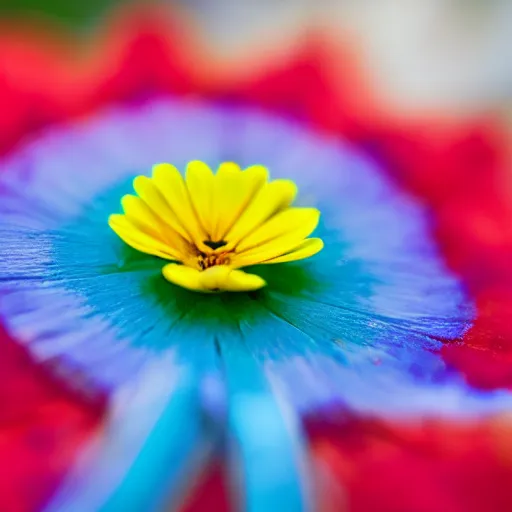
(211, 225)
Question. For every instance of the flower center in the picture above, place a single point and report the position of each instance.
(209, 260)
(212, 225)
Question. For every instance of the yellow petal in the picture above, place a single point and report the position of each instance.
(143, 218)
(215, 279)
(234, 190)
(271, 198)
(183, 276)
(199, 180)
(292, 222)
(171, 185)
(268, 251)
(148, 191)
(239, 281)
(224, 278)
(139, 240)
(306, 249)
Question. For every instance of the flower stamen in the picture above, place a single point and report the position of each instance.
(210, 260)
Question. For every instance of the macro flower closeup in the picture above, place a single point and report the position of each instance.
(96, 290)
(223, 290)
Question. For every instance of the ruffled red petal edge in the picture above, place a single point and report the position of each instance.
(415, 467)
(459, 168)
(41, 426)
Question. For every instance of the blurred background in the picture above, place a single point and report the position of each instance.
(452, 56)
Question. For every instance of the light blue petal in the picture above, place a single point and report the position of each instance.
(154, 439)
(267, 447)
(376, 303)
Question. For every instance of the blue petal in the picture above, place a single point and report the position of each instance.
(266, 440)
(376, 304)
(155, 438)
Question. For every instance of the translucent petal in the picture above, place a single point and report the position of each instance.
(139, 240)
(148, 191)
(294, 222)
(271, 198)
(171, 185)
(239, 281)
(306, 249)
(142, 218)
(186, 277)
(224, 278)
(200, 180)
(234, 190)
(274, 249)
(214, 279)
